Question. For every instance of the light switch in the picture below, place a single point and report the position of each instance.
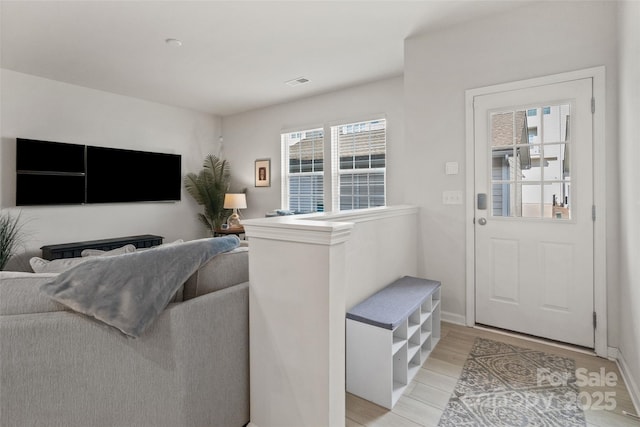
(451, 168)
(452, 197)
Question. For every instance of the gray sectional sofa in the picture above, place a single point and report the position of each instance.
(190, 368)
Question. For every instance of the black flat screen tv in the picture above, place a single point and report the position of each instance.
(55, 173)
(115, 175)
(49, 173)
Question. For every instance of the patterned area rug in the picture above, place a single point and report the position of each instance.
(506, 385)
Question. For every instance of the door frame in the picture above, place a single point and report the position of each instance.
(599, 193)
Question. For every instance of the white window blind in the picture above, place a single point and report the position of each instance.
(359, 164)
(303, 169)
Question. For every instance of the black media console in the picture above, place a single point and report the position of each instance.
(73, 250)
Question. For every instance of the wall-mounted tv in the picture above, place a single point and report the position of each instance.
(138, 176)
(54, 173)
(49, 173)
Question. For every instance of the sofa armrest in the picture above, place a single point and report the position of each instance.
(214, 356)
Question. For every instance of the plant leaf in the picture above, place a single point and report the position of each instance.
(9, 237)
(208, 188)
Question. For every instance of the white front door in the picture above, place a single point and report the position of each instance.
(533, 213)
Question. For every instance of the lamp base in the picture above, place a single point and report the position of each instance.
(234, 220)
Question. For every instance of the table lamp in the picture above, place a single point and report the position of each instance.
(234, 201)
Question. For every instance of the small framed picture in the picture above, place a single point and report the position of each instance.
(263, 173)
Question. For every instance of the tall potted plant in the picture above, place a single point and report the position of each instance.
(208, 188)
(9, 236)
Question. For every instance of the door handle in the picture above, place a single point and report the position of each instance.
(482, 201)
(482, 221)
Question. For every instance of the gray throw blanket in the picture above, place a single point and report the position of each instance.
(129, 291)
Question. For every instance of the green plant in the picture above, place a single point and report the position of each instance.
(208, 188)
(9, 236)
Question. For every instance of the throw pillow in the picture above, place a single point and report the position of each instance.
(118, 251)
(40, 265)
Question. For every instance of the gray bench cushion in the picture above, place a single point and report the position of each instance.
(390, 306)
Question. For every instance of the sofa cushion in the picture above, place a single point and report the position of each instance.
(20, 293)
(223, 270)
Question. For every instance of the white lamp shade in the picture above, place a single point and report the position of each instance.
(235, 201)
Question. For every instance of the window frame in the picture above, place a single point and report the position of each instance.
(338, 173)
(285, 162)
(331, 163)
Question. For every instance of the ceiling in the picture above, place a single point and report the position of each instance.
(235, 55)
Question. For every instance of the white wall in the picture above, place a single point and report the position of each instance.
(541, 39)
(629, 55)
(256, 134)
(380, 251)
(38, 108)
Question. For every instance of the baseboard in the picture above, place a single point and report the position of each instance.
(612, 353)
(632, 385)
(458, 319)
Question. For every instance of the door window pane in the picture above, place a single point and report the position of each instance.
(509, 128)
(556, 200)
(555, 124)
(502, 165)
(502, 129)
(506, 199)
(555, 162)
(530, 164)
(531, 198)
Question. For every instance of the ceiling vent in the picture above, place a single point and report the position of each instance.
(297, 82)
(173, 42)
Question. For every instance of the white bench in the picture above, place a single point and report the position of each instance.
(389, 336)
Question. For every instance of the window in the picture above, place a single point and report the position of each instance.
(303, 155)
(355, 178)
(359, 153)
(531, 163)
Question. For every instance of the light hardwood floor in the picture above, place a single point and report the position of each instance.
(426, 397)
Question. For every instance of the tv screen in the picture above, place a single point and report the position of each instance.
(49, 190)
(46, 156)
(115, 175)
(50, 173)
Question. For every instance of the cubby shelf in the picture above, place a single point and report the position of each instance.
(385, 350)
(397, 344)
